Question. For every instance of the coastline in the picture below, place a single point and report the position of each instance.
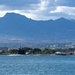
(37, 55)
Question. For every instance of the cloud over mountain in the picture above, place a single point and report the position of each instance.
(40, 9)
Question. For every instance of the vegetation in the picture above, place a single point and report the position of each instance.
(13, 51)
(28, 50)
(48, 51)
(37, 51)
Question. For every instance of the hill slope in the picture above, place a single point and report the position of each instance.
(20, 26)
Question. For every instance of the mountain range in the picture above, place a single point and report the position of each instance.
(13, 24)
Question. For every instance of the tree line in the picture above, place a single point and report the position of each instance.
(28, 50)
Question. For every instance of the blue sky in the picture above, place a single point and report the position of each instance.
(39, 9)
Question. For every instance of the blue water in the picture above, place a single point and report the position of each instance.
(37, 65)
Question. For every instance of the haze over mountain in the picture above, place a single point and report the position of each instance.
(19, 26)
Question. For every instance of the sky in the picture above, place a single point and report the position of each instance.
(39, 9)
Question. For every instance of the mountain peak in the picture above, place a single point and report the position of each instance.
(13, 15)
(62, 18)
(16, 17)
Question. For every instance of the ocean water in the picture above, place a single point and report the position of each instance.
(37, 65)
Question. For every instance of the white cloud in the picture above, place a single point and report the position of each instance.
(39, 11)
(3, 12)
(48, 9)
(2, 7)
(56, 0)
(65, 10)
(68, 11)
(44, 10)
(43, 5)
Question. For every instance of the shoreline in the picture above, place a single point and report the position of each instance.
(36, 55)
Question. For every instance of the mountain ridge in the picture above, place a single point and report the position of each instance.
(21, 26)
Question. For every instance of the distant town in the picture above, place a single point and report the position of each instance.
(47, 49)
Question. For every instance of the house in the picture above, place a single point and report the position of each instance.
(65, 52)
(60, 53)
